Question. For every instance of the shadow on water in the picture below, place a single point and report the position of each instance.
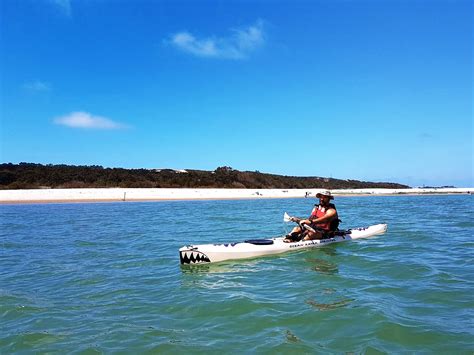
(329, 250)
(329, 306)
(323, 266)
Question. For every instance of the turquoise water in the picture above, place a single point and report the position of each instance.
(106, 277)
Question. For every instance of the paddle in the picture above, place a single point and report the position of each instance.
(288, 218)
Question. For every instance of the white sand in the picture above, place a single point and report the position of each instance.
(120, 194)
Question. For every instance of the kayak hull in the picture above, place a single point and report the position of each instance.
(212, 253)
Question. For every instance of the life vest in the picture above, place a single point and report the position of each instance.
(320, 211)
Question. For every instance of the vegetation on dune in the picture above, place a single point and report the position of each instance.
(33, 176)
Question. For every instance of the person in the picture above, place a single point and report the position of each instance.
(324, 220)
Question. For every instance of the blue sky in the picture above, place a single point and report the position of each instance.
(369, 90)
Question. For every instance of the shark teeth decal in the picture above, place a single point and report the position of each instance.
(193, 257)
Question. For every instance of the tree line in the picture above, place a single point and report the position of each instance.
(34, 176)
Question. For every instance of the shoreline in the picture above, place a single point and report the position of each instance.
(107, 195)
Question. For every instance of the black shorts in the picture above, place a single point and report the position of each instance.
(324, 232)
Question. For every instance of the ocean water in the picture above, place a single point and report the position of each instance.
(105, 277)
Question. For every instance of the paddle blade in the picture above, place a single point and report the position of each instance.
(286, 217)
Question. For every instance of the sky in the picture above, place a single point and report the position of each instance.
(349, 89)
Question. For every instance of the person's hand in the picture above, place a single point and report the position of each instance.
(305, 221)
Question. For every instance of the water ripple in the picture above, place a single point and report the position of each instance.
(106, 278)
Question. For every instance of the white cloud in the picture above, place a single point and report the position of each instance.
(87, 121)
(37, 86)
(238, 45)
(63, 5)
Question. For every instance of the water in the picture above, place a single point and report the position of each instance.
(106, 277)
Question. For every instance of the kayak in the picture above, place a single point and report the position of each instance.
(212, 253)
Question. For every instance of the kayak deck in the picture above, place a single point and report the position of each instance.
(211, 253)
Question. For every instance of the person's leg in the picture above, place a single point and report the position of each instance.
(294, 232)
(313, 235)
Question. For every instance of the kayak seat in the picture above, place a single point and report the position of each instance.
(259, 241)
(342, 233)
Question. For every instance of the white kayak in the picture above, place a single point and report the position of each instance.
(212, 253)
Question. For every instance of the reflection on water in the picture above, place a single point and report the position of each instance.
(222, 267)
(219, 275)
(205, 269)
(213, 283)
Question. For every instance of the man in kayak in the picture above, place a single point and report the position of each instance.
(323, 221)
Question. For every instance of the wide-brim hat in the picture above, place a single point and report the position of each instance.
(326, 193)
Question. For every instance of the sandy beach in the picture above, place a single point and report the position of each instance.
(124, 194)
